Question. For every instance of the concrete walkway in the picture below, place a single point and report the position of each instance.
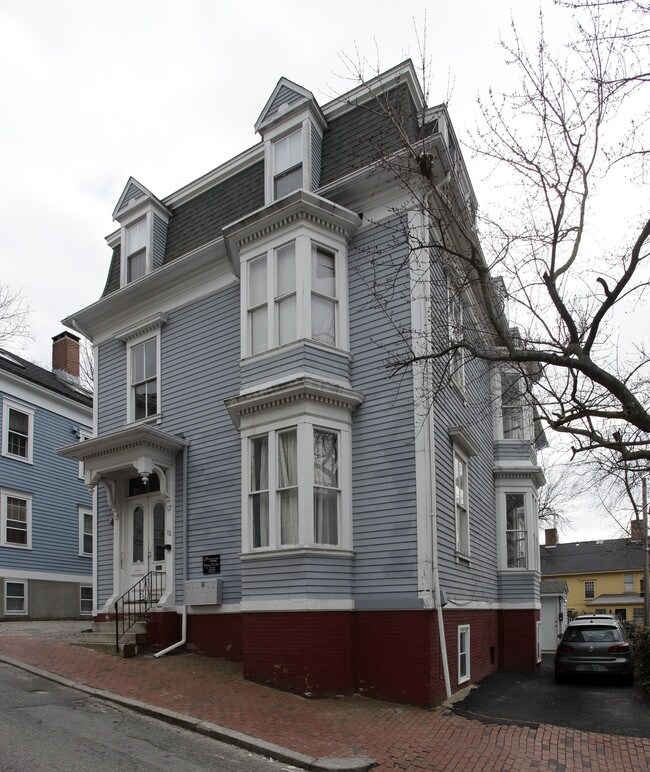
(210, 696)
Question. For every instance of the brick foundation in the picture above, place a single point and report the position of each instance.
(163, 628)
(215, 635)
(305, 652)
(518, 633)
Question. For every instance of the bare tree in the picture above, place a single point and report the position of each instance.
(572, 260)
(14, 317)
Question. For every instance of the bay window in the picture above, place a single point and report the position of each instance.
(294, 488)
(516, 531)
(292, 292)
(512, 407)
(456, 333)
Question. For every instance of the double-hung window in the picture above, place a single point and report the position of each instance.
(15, 597)
(512, 407)
(136, 250)
(323, 295)
(590, 589)
(461, 503)
(456, 324)
(463, 653)
(628, 582)
(86, 528)
(18, 430)
(294, 494)
(85, 600)
(516, 531)
(287, 164)
(144, 385)
(16, 516)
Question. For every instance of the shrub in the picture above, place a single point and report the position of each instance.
(642, 653)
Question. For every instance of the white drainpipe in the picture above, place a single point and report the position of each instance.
(184, 500)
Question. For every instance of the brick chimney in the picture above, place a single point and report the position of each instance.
(636, 530)
(550, 537)
(65, 357)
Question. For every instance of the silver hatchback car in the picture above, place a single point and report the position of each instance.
(594, 646)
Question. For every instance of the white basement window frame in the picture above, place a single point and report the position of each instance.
(15, 597)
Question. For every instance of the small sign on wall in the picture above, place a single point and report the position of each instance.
(212, 564)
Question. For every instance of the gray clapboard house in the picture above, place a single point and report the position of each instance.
(282, 500)
(46, 510)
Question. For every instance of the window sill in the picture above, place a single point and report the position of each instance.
(22, 459)
(266, 552)
(462, 559)
(157, 418)
(16, 546)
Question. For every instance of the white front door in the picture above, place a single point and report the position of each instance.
(549, 623)
(146, 539)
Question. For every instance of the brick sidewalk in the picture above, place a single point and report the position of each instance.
(396, 736)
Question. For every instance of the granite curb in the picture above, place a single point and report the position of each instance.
(216, 732)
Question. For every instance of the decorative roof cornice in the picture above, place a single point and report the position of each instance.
(305, 388)
(534, 473)
(132, 440)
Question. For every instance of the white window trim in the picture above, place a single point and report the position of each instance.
(86, 587)
(457, 371)
(504, 487)
(25, 609)
(130, 399)
(464, 631)
(303, 237)
(85, 511)
(456, 451)
(584, 588)
(305, 424)
(4, 495)
(9, 404)
(526, 409)
(148, 249)
(626, 587)
(300, 122)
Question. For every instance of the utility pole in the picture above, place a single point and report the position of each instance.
(644, 541)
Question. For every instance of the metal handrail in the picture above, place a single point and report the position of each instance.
(135, 603)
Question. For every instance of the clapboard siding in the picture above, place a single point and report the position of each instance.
(383, 454)
(509, 450)
(112, 392)
(56, 492)
(105, 530)
(297, 576)
(297, 358)
(472, 410)
(199, 370)
(519, 587)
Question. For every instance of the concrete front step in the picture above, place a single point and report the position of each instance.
(102, 638)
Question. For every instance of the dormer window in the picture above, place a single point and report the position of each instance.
(143, 233)
(136, 250)
(287, 164)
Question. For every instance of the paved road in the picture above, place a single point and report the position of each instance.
(584, 705)
(44, 726)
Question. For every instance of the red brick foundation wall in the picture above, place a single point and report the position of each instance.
(306, 652)
(393, 655)
(518, 632)
(215, 635)
(164, 628)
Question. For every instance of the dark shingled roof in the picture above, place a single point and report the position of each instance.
(591, 557)
(39, 375)
(351, 141)
(553, 587)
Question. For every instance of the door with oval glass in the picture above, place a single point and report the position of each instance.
(145, 536)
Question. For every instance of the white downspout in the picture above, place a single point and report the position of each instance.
(184, 543)
(434, 557)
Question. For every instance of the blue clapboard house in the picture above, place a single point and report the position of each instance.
(264, 486)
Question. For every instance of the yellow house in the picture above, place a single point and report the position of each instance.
(603, 577)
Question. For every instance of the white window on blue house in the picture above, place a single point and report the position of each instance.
(292, 291)
(17, 431)
(516, 531)
(86, 531)
(295, 488)
(456, 334)
(15, 597)
(16, 518)
(144, 380)
(137, 240)
(85, 600)
(461, 503)
(463, 654)
(287, 164)
(512, 407)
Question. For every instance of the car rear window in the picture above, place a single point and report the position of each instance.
(592, 634)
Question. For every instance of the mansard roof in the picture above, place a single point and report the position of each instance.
(28, 371)
(357, 135)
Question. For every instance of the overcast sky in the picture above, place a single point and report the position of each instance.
(92, 92)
